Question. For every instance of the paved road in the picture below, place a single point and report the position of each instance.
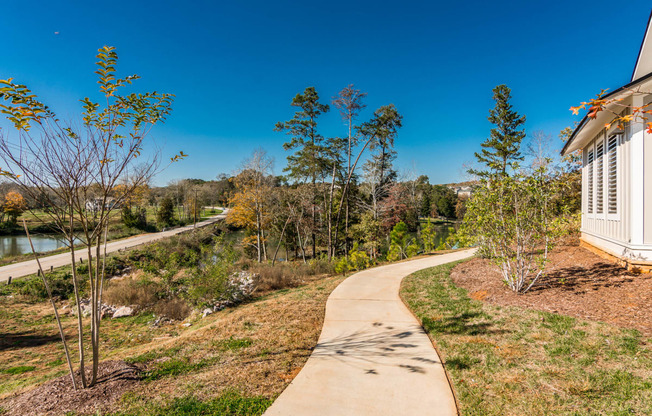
(26, 268)
(373, 358)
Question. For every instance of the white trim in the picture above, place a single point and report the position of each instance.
(617, 248)
(636, 164)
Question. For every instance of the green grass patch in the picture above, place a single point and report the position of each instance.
(230, 403)
(174, 367)
(509, 360)
(232, 343)
(18, 369)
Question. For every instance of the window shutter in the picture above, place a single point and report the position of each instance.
(612, 179)
(589, 163)
(599, 186)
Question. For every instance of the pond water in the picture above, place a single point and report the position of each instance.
(442, 231)
(14, 245)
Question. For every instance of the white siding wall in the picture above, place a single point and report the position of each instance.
(612, 226)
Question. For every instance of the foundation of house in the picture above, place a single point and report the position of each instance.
(633, 265)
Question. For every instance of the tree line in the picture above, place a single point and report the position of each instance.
(336, 193)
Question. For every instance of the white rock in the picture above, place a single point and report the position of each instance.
(206, 312)
(123, 311)
(187, 324)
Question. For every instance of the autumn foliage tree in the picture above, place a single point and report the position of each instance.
(250, 204)
(14, 205)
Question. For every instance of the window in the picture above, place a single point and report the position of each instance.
(612, 175)
(589, 169)
(599, 176)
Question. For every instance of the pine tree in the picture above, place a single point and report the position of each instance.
(307, 162)
(501, 151)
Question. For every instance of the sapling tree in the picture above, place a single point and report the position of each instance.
(512, 220)
(82, 171)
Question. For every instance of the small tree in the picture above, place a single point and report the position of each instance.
(512, 221)
(429, 236)
(401, 247)
(250, 203)
(14, 205)
(165, 213)
(74, 165)
(502, 149)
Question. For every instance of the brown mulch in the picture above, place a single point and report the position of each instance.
(577, 283)
(57, 397)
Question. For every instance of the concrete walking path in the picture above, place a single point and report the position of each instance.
(26, 268)
(372, 358)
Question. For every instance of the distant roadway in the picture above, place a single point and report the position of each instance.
(26, 268)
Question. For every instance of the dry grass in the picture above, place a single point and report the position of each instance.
(131, 290)
(175, 308)
(256, 348)
(287, 275)
(516, 361)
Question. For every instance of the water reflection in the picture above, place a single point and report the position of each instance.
(14, 245)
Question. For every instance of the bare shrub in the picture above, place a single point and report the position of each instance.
(274, 277)
(142, 293)
(176, 309)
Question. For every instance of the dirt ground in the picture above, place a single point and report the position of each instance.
(115, 378)
(577, 283)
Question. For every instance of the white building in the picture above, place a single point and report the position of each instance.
(617, 173)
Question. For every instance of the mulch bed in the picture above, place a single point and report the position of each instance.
(57, 397)
(577, 283)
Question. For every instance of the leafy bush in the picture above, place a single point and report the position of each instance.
(358, 260)
(32, 287)
(512, 220)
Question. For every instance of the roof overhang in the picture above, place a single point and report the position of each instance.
(589, 128)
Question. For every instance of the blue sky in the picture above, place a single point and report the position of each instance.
(235, 66)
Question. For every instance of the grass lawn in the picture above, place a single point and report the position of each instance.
(515, 361)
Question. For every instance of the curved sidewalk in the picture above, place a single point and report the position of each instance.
(373, 357)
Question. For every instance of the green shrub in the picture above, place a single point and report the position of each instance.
(32, 287)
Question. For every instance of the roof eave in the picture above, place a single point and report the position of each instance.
(586, 120)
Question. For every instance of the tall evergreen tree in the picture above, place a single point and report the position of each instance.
(307, 162)
(501, 151)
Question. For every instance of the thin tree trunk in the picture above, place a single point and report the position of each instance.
(54, 307)
(278, 246)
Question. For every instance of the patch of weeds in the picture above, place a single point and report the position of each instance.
(55, 363)
(18, 370)
(560, 324)
(174, 367)
(249, 326)
(630, 343)
(152, 355)
(232, 344)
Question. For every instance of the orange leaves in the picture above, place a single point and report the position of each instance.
(623, 113)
